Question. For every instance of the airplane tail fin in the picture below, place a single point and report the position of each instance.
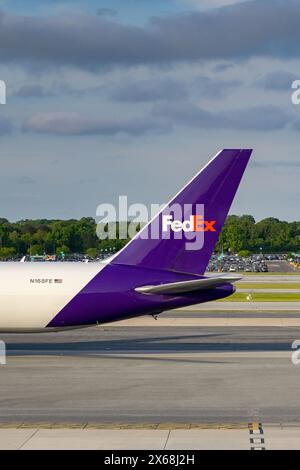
(182, 236)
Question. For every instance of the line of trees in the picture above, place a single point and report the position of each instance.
(270, 234)
(79, 236)
(42, 236)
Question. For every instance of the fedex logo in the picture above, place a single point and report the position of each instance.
(195, 223)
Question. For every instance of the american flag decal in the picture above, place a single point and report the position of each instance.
(58, 281)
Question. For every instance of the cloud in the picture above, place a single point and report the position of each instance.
(214, 88)
(296, 124)
(69, 124)
(258, 118)
(107, 12)
(149, 90)
(140, 91)
(5, 126)
(26, 180)
(278, 163)
(86, 181)
(223, 67)
(32, 91)
(172, 90)
(55, 89)
(278, 80)
(242, 30)
(255, 118)
(208, 4)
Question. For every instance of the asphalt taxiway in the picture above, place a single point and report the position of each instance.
(136, 374)
(190, 379)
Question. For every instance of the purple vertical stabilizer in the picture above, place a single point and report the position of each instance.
(210, 194)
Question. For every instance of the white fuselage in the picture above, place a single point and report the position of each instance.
(32, 294)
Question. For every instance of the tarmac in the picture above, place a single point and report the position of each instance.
(253, 436)
(192, 379)
(244, 307)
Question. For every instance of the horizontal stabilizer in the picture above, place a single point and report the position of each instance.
(183, 287)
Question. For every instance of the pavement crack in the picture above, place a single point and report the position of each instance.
(29, 438)
(168, 436)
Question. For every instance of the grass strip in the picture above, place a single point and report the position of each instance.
(266, 285)
(263, 297)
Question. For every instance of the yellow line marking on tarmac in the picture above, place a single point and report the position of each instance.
(124, 426)
(11, 425)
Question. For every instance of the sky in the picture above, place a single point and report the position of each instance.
(133, 97)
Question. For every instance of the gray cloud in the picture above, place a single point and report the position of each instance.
(149, 90)
(26, 180)
(141, 91)
(296, 124)
(107, 12)
(257, 27)
(5, 126)
(278, 163)
(214, 88)
(255, 118)
(32, 91)
(56, 89)
(86, 181)
(74, 124)
(184, 113)
(172, 90)
(278, 80)
(223, 67)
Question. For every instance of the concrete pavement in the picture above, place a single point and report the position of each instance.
(244, 306)
(225, 321)
(246, 437)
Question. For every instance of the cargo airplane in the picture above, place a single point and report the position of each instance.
(161, 268)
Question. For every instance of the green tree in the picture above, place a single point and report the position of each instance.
(92, 252)
(7, 252)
